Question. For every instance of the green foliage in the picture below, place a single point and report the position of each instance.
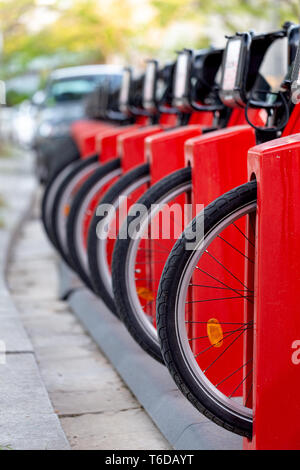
(85, 31)
(231, 12)
(13, 97)
(172, 10)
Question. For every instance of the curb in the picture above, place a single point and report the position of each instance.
(181, 424)
(28, 421)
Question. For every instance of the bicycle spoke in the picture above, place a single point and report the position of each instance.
(224, 267)
(218, 287)
(221, 298)
(218, 347)
(245, 378)
(221, 282)
(161, 241)
(206, 336)
(148, 303)
(214, 344)
(221, 322)
(236, 249)
(234, 372)
(226, 349)
(243, 234)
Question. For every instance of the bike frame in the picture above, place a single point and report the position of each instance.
(84, 132)
(219, 163)
(276, 380)
(125, 143)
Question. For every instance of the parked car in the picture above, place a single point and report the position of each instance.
(64, 103)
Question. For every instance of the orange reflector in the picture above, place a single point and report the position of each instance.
(214, 332)
(67, 209)
(145, 293)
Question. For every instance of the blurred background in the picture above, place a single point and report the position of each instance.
(39, 36)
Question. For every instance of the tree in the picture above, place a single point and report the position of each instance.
(230, 11)
(85, 31)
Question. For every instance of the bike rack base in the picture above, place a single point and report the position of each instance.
(181, 424)
(68, 282)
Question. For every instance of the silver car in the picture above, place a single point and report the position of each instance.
(63, 103)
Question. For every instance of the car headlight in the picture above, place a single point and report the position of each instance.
(45, 129)
(48, 129)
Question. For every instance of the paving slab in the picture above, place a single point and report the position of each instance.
(95, 407)
(21, 391)
(13, 334)
(182, 425)
(35, 432)
(27, 417)
(116, 431)
(27, 420)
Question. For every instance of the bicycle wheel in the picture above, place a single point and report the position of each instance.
(62, 203)
(205, 310)
(138, 261)
(103, 231)
(81, 211)
(52, 156)
(49, 195)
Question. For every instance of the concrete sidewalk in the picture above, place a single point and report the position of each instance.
(27, 420)
(96, 409)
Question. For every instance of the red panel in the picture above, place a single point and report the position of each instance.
(106, 142)
(84, 133)
(108, 149)
(219, 163)
(165, 152)
(87, 135)
(131, 146)
(127, 143)
(276, 166)
(204, 118)
(168, 120)
(256, 116)
(223, 156)
(81, 125)
(93, 203)
(293, 125)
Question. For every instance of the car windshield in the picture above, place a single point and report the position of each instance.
(76, 88)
